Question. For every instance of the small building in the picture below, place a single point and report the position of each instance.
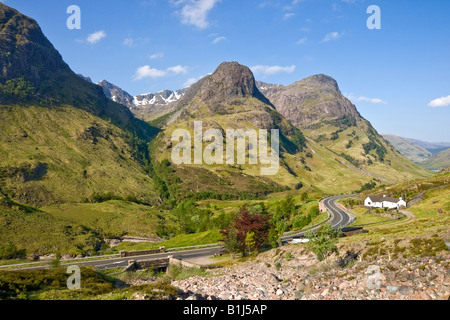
(384, 202)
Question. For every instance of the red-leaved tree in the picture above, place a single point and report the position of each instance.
(244, 223)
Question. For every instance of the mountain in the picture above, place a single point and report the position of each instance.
(433, 147)
(438, 161)
(230, 98)
(116, 94)
(149, 106)
(313, 100)
(227, 99)
(409, 149)
(62, 140)
(317, 107)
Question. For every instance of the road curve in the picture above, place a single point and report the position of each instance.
(339, 218)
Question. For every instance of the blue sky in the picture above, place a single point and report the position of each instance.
(398, 77)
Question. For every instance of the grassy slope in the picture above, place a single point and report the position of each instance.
(323, 170)
(394, 168)
(74, 228)
(82, 155)
(421, 234)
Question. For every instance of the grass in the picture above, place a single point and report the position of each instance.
(112, 218)
(66, 155)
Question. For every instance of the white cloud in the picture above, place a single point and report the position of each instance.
(331, 36)
(218, 39)
(177, 69)
(156, 56)
(271, 70)
(96, 37)
(440, 102)
(302, 41)
(149, 72)
(195, 12)
(365, 99)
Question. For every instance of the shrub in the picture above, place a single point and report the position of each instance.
(323, 242)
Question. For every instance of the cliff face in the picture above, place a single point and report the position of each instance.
(311, 100)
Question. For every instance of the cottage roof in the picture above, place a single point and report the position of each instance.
(381, 199)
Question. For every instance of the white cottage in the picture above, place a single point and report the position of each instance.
(384, 202)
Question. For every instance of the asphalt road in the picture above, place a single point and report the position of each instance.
(123, 262)
(339, 218)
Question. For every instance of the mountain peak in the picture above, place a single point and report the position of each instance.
(230, 81)
(324, 79)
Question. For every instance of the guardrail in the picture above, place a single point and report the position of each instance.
(194, 247)
(45, 262)
(290, 233)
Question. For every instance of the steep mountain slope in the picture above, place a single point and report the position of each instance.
(229, 99)
(61, 139)
(317, 107)
(438, 161)
(412, 151)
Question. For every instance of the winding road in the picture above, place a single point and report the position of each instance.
(339, 219)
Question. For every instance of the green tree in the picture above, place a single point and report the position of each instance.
(250, 242)
(323, 242)
(231, 243)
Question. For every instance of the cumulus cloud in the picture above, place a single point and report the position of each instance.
(440, 102)
(156, 56)
(96, 37)
(365, 99)
(331, 36)
(177, 69)
(195, 12)
(271, 70)
(149, 72)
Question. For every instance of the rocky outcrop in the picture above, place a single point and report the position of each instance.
(310, 100)
(302, 277)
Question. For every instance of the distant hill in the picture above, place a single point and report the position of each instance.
(409, 149)
(433, 147)
(438, 161)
